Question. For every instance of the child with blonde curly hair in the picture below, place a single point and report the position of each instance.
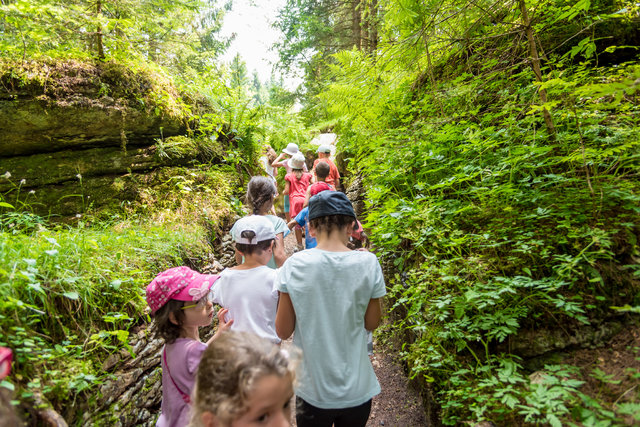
(243, 380)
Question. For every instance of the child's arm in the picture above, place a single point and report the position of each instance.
(373, 314)
(292, 224)
(277, 163)
(279, 255)
(285, 317)
(222, 325)
(286, 188)
(307, 196)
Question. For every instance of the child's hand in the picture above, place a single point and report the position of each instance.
(222, 325)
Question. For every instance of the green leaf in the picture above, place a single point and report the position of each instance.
(71, 295)
(8, 385)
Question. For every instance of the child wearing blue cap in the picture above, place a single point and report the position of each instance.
(330, 296)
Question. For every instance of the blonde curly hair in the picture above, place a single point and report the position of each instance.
(229, 369)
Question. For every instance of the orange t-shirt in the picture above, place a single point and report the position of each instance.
(333, 176)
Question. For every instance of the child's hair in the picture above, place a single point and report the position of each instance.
(271, 154)
(329, 223)
(250, 249)
(298, 173)
(165, 328)
(322, 170)
(260, 190)
(228, 371)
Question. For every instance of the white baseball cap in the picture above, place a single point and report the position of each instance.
(324, 149)
(260, 229)
(291, 149)
(297, 161)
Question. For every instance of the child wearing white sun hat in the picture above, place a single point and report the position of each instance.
(296, 186)
(283, 162)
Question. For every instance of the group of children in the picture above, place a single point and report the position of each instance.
(327, 296)
(298, 182)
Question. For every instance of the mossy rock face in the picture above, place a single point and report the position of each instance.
(48, 106)
(69, 182)
(75, 135)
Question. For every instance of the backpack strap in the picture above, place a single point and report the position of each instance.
(184, 395)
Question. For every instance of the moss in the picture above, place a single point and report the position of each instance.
(56, 81)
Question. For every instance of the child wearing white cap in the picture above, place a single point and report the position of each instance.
(247, 290)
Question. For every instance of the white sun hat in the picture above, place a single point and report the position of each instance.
(296, 162)
(291, 149)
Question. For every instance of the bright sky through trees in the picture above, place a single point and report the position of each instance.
(251, 22)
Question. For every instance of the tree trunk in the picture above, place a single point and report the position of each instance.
(535, 65)
(99, 45)
(373, 25)
(364, 29)
(355, 23)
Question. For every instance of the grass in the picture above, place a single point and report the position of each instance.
(69, 293)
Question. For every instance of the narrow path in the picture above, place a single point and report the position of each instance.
(398, 405)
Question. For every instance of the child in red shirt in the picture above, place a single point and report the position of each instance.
(324, 156)
(296, 184)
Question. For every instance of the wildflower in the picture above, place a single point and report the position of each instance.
(79, 176)
(78, 215)
(23, 181)
(7, 175)
(32, 192)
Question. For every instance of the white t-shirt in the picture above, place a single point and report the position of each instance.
(330, 292)
(251, 299)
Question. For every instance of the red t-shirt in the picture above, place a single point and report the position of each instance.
(297, 192)
(320, 186)
(298, 187)
(334, 175)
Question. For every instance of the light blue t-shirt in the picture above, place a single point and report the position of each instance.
(303, 220)
(280, 226)
(330, 292)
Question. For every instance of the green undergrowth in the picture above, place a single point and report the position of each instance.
(70, 292)
(491, 222)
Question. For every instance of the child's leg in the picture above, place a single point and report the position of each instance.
(299, 236)
(308, 415)
(286, 207)
(353, 417)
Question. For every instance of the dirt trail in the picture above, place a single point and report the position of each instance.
(398, 405)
